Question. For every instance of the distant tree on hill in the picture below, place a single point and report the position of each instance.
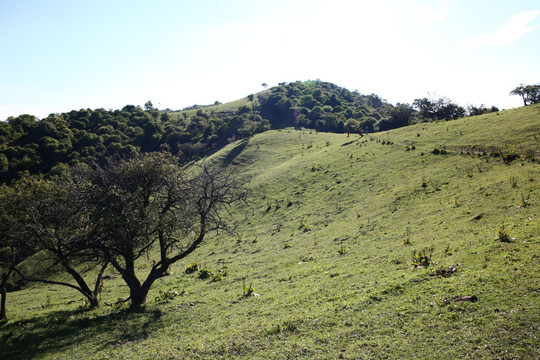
(529, 93)
(264, 85)
(438, 109)
(148, 106)
(482, 109)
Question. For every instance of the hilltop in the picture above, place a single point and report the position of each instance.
(418, 242)
(30, 146)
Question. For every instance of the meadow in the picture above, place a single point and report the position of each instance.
(419, 242)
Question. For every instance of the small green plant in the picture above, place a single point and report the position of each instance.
(513, 181)
(47, 303)
(205, 273)
(438, 151)
(422, 258)
(286, 246)
(509, 157)
(247, 290)
(220, 274)
(191, 268)
(304, 226)
(342, 250)
(166, 296)
(524, 201)
(503, 234)
(424, 183)
(407, 239)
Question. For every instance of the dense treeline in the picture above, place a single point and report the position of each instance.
(47, 146)
(32, 146)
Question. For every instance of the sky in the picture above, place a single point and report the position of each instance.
(63, 55)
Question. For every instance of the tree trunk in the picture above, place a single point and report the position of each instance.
(138, 298)
(83, 286)
(3, 296)
(139, 294)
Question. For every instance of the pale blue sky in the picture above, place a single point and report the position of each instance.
(60, 55)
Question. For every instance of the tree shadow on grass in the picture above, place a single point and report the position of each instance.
(235, 152)
(56, 332)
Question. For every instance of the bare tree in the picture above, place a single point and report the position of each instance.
(150, 202)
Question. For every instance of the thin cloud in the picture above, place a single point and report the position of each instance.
(433, 14)
(510, 32)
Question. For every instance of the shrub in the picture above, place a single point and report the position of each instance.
(191, 268)
(342, 250)
(166, 296)
(220, 274)
(205, 273)
(422, 258)
(247, 290)
(509, 157)
(437, 151)
(503, 234)
(304, 226)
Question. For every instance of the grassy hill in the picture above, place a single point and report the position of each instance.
(324, 263)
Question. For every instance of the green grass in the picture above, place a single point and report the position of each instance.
(323, 246)
(226, 107)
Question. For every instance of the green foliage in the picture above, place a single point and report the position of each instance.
(524, 200)
(220, 274)
(204, 273)
(169, 295)
(529, 93)
(305, 227)
(342, 250)
(439, 151)
(247, 290)
(503, 234)
(422, 258)
(191, 268)
(513, 181)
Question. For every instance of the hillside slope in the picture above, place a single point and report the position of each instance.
(327, 246)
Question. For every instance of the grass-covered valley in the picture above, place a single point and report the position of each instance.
(418, 242)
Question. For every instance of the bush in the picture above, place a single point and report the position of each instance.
(304, 227)
(437, 151)
(220, 274)
(247, 290)
(422, 258)
(205, 273)
(509, 157)
(166, 296)
(342, 250)
(191, 268)
(503, 234)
